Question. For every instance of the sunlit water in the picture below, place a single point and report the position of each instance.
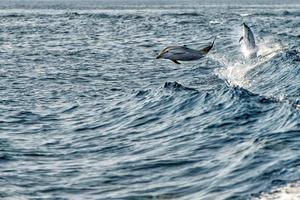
(87, 112)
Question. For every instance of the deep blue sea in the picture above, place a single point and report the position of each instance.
(87, 112)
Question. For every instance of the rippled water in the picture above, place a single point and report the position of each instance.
(87, 112)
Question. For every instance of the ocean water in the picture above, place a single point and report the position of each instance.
(87, 112)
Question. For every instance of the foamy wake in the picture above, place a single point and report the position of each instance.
(235, 71)
(289, 192)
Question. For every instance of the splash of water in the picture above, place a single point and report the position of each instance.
(235, 71)
(248, 53)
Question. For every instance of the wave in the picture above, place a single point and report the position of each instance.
(177, 87)
(72, 15)
(12, 15)
(284, 13)
(189, 14)
(290, 13)
(259, 74)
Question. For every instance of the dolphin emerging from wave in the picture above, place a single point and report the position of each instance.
(183, 53)
(249, 41)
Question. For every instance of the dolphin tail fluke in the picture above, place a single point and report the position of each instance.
(207, 49)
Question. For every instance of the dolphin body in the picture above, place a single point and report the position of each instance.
(249, 41)
(183, 53)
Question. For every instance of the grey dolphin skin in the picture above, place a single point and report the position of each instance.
(249, 41)
(183, 53)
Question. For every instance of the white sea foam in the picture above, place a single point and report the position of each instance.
(244, 14)
(289, 192)
(214, 22)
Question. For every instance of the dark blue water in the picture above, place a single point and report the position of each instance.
(87, 112)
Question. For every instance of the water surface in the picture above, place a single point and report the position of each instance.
(87, 112)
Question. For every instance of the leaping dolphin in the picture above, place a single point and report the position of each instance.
(183, 53)
(249, 41)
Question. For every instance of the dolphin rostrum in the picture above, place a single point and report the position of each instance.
(183, 53)
(249, 41)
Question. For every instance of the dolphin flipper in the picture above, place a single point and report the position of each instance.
(241, 39)
(175, 61)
